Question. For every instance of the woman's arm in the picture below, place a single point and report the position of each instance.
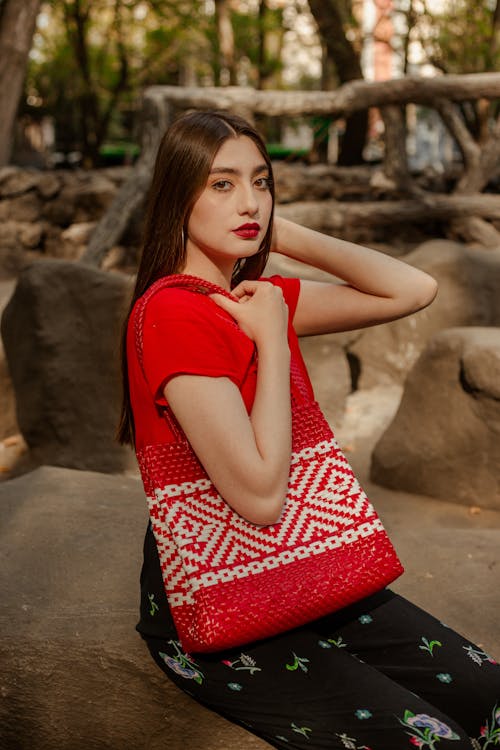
(377, 288)
(246, 457)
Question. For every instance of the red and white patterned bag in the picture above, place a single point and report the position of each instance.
(229, 582)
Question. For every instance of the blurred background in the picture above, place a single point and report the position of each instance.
(89, 60)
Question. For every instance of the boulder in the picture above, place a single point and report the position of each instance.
(61, 332)
(24, 208)
(8, 421)
(15, 181)
(469, 279)
(329, 372)
(75, 674)
(445, 438)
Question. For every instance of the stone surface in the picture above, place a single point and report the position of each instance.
(8, 420)
(445, 438)
(469, 280)
(61, 336)
(76, 676)
(329, 372)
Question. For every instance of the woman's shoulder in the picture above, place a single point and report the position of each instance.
(177, 303)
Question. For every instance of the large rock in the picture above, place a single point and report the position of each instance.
(445, 438)
(8, 421)
(330, 374)
(61, 332)
(75, 674)
(469, 280)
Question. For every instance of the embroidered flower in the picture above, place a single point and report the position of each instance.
(339, 642)
(153, 607)
(477, 655)
(235, 686)
(365, 619)
(437, 727)
(298, 662)
(363, 713)
(429, 645)
(324, 644)
(247, 661)
(445, 677)
(415, 741)
(301, 730)
(187, 672)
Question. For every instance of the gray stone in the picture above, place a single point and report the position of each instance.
(8, 421)
(12, 256)
(48, 185)
(61, 210)
(445, 438)
(15, 181)
(93, 198)
(61, 337)
(329, 372)
(469, 280)
(25, 208)
(76, 676)
(31, 235)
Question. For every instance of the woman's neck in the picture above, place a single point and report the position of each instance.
(206, 268)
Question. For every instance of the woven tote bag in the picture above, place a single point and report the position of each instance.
(229, 582)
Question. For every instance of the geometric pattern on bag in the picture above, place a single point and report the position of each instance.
(213, 550)
(229, 581)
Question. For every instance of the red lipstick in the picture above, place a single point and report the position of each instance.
(247, 231)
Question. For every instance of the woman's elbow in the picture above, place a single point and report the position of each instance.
(260, 510)
(427, 290)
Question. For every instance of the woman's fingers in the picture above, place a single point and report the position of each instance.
(248, 287)
(227, 304)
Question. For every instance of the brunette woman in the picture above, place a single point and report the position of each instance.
(380, 674)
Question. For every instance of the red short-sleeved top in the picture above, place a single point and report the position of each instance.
(185, 332)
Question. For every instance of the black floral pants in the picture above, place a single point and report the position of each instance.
(379, 675)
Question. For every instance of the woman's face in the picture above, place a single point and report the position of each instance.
(230, 218)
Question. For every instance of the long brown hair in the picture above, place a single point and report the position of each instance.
(181, 171)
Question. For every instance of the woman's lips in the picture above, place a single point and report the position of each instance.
(247, 231)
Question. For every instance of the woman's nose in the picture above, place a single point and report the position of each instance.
(248, 203)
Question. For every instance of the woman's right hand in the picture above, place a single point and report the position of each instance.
(261, 311)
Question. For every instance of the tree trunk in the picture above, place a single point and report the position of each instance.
(347, 62)
(17, 26)
(339, 216)
(225, 37)
(156, 115)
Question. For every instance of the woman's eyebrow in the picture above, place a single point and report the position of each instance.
(232, 170)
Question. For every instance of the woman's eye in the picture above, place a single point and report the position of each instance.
(264, 183)
(222, 185)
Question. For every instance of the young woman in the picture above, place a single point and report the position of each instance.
(380, 674)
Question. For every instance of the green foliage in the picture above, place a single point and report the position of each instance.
(91, 58)
(460, 38)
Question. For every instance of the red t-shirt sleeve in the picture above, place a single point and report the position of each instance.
(184, 333)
